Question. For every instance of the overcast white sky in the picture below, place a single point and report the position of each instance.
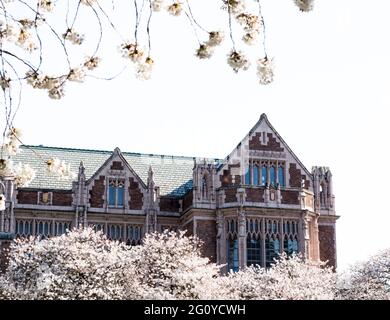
(330, 102)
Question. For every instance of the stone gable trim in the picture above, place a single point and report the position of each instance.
(116, 153)
(43, 207)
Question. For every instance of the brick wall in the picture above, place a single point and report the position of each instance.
(62, 198)
(296, 177)
(227, 179)
(254, 194)
(230, 195)
(27, 197)
(169, 204)
(136, 196)
(290, 197)
(187, 200)
(97, 193)
(190, 228)
(272, 144)
(327, 244)
(206, 231)
(116, 165)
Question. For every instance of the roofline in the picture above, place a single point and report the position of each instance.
(288, 148)
(111, 151)
(263, 117)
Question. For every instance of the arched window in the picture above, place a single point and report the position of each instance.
(40, 227)
(120, 192)
(204, 186)
(263, 175)
(116, 189)
(272, 176)
(256, 175)
(232, 254)
(248, 175)
(253, 251)
(290, 245)
(281, 176)
(272, 250)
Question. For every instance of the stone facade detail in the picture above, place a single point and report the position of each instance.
(97, 193)
(251, 206)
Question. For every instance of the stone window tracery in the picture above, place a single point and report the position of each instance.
(248, 175)
(272, 176)
(116, 192)
(23, 228)
(60, 227)
(133, 234)
(254, 242)
(281, 178)
(256, 175)
(272, 242)
(114, 231)
(43, 228)
(265, 172)
(290, 231)
(232, 245)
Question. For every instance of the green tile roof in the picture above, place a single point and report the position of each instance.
(173, 174)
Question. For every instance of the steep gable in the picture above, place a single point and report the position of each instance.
(263, 143)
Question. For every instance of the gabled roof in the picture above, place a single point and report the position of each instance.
(173, 174)
(263, 117)
(115, 155)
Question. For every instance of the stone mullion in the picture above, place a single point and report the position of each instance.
(124, 233)
(251, 172)
(282, 236)
(53, 227)
(263, 263)
(268, 165)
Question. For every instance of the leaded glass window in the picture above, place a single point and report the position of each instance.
(256, 175)
(272, 250)
(116, 189)
(232, 254)
(263, 175)
(272, 176)
(247, 175)
(290, 245)
(254, 252)
(281, 176)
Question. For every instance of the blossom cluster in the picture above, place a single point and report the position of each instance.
(134, 53)
(23, 174)
(368, 280)
(206, 49)
(55, 86)
(251, 25)
(59, 168)
(305, 5)
(175, 8)
(84, 264)
(12, 142)
(234, 6)
(265, 70)
(238, 61)
(2, 203)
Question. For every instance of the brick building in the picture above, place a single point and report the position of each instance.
(257, 202)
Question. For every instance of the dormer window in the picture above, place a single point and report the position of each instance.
(116, 188)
